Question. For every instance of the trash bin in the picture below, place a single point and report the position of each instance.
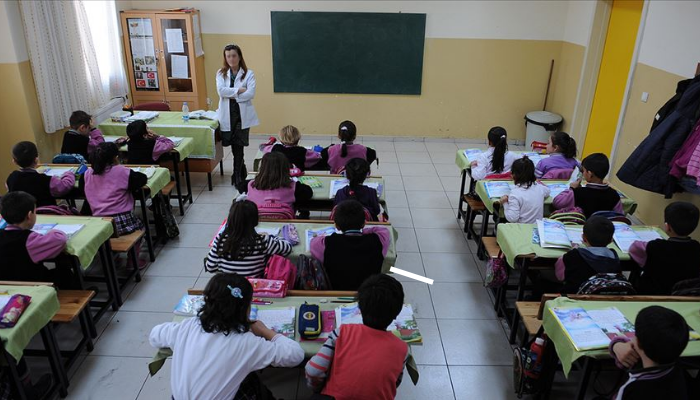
(539, 125)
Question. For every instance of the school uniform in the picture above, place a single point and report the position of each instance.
(578, 265)
(526, 205)
(293, 195)
(75, 143)
(110, 194)
(483, 166)
(147, 151)
(43, 187)
(301, 157)
(213, 365)
(253, 263)
(554, 161)
(665, 263)
(332, 155)
(364, 194)
(351, 257)
(23, 252)
(358, 362)
(590, 198)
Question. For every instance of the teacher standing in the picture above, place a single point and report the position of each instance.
(235, 84)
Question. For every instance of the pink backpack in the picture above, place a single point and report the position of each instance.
(271, 209)
(281, 269)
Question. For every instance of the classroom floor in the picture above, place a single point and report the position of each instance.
(465, 352)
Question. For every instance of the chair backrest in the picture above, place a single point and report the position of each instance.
(558, 173)
(612, 216)
(503, 176)
(157, 106)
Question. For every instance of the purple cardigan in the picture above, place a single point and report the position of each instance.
(280, 195)
(109, 194)
(554, 161)
(337, 162)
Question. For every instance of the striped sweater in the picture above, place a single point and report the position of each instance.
(253, 263)
(358, 362)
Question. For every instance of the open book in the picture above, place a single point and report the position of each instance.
(556, 188)
(404, 326)
(338, 184)
(592, 329)
(471, 154)
(201, 114)
(57, 171)
(69, 229)
(535, 157)
(554, 234)
(624, 236)
(496, 189)
(149, 171)
(312, 233)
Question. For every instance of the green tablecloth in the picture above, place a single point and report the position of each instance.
(568, 354)
(185, 148)
(171, 124)
(310, 347)
(159, 179)
(629, 205)
(88, 240)
(42, 308)
(516, 240)
(463, 162)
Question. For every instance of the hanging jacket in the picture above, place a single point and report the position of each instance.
(648, 166)
(671, 104)
(679, 164)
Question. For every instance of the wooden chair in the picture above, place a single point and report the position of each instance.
(127, 244)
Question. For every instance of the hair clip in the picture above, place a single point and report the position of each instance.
(241, 197)
(235, 292)
(343, 128)
(503, 136)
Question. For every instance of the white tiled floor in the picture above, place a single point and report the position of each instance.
(465, 353)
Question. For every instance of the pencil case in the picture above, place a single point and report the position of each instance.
(289, 233)
(13, 309)
(309, 321)
(268, 287)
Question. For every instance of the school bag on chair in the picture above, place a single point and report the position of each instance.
(311, 275)
(607, 284)
(66, 158)
(62, 209)
(271, 209)
(281, 269)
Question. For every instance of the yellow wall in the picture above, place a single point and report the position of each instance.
(612, 78)
(565, 80)
(469, 85)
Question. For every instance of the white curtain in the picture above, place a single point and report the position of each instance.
(69, 73)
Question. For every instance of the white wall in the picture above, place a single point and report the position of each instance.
(14, 48)
(579, 21)
(671, 38)
(531, 20)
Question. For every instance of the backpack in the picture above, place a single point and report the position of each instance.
(526, 379)
(167, 223)
(66, 158)
(281, 269)
(569, 216)
(311, 275)
(496, 272)
(271, 209)
(688, 287)
(607, 283)
(57, 210)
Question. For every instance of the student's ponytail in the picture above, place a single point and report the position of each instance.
(347, 132)
(356, 170)
(103, 157)
(498, 138)
(566, 144)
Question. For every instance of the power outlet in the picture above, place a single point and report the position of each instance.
(645, 96)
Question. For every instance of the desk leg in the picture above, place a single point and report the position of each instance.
(187, 180)
(54, 354)
(176, 171)
(583, 385)
(209, 181)
(481, 250)
(514, 325)
(12, 366)
(221, 168)
(144, 212)
(115, 296)
(461, 197)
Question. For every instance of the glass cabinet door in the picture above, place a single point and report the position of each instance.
(144, 54)
(176, 54)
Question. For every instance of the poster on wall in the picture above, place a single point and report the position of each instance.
(140, 27)
(144, 62)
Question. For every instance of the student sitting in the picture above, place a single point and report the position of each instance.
(83, 138)
(525, 203)
(355, 253)
(239, 248)
(357, 170)
(23, 251)
(145, 146)
(562, 154)
(274, 183)
(577, 265)
(338, 155)
(667, 262)
(109, 188)
(363, 361)
(496, 159)
(216, 353)
(44, 188)
(596, 195)
(661, 335)
(288, 144)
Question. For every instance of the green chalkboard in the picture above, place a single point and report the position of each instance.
(347, 52)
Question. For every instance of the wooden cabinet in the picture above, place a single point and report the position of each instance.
(164, 57)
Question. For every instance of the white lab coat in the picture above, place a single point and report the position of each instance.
(245, 100)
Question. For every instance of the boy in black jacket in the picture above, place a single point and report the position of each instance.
(576, 266)
(82, 137)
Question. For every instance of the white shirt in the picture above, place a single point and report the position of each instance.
(245, 100)
(483, 166)
(212, 365)
(526, 205)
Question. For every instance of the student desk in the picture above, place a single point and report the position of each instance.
(302, 225)
(35, 319)
(180, 153)
(311, 347)
(568, 354)
(207, 150)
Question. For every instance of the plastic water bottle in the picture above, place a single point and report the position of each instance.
(185, 112)
(533, 363)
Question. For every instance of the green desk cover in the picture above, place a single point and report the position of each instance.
(171, 124)
(515, 240)
(629, 205)
(159, 179)
(568, 354)
(43, 306)
(88, 240)
(185, 148)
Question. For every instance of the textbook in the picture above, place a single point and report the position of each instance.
(148, 171)
(43, 229)
(496, 189)
(69, 229)
(311, 181)
(624, 236)
(143, 116)
(556, 188)
(553, 234)
(338, 184)
(53, 171)
(574, 233)
(470, 154)
(279, 319)
(592, 329)
(534, 157)
(175, 139)
(312, 233)
(404, 326)
(269, 231)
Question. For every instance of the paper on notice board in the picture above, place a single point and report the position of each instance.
(174, 39)
(179, 64)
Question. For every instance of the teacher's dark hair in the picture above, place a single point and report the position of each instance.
(225, 69)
